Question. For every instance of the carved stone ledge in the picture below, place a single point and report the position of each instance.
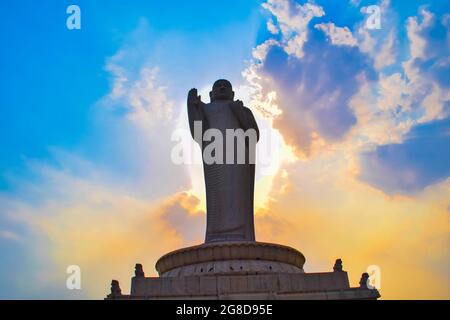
(231, 257)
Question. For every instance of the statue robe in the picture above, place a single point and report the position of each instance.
(229, 187)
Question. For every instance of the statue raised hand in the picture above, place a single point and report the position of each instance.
(195, 112)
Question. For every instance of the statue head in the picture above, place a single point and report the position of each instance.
(222, 90)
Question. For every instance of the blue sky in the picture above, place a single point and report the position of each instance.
(52, 80)
(52, 77)
(87, 117)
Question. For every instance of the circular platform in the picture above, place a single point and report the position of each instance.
(231, 258)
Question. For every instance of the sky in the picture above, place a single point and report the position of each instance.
(353, 160)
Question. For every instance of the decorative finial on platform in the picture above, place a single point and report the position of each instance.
(115, 289)
(138, 270)
(338, 265)
(363, 281)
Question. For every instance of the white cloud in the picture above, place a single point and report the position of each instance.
(355, 3)
(414, 27)
(260, 51)
(94, 222)
(146, 101)
(272, 27)
(425, 91)
(9, 235)
(390, 107)
(380, 44)
(338, 35)
(293, 20)
(387, 54)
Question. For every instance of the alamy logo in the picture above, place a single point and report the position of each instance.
(73, 21)
(234, 146)
(374, 19)
(73, 281)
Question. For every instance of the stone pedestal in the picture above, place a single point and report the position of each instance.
(240, 270)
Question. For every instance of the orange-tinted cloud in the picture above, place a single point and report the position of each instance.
(102, 230)
(327, 215)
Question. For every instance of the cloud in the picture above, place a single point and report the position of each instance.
(108, 212)
(9, 235)
(99, 227)
(429, 45)
(321, 204)
(387, 54)
(412, 109)
(428, 66)
(140, 117)
(416, 31)
(421, 160)
(338, 36)
(327, 214)
(380, 44)
(379, 123)
(272, 27)
(293, 19)
(182, 214)
(313, 93)
(137, 91)
(355, 3)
